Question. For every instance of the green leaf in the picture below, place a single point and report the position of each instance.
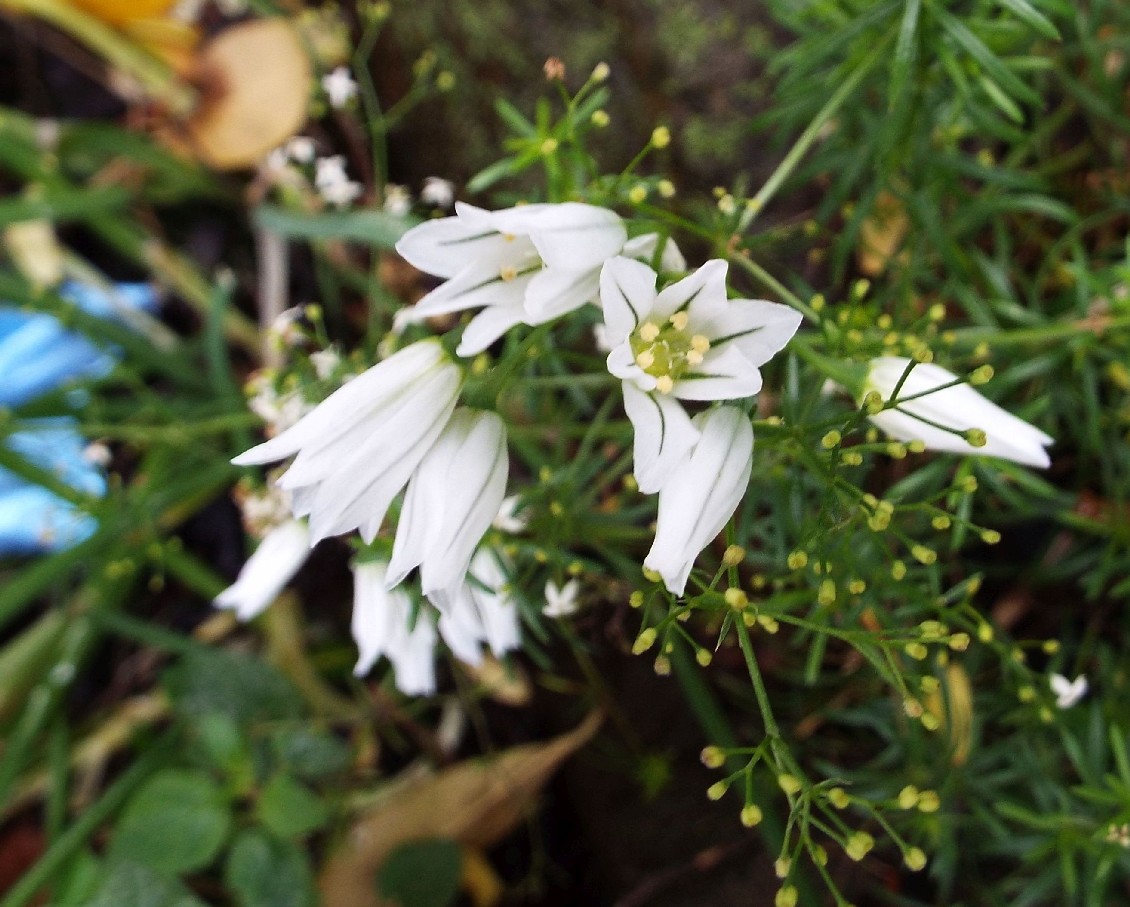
(176, 822)
(515, 119)
(990, 62)
(422, 873)
(308, 753)
(488, 176)
(290, 809)
(78, 882)
(263, 871)
(1032, 17)
(377, 228)
(129, 884)
(56, 205)
(238, 686)
(905, 51)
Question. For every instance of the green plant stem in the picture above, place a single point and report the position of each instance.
(810, 134)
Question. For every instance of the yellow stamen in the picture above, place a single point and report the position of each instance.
(645, 360)
(700, 343)
(680, 320)
(694, 357)
(664, 384)
(648, 331)
(508, 272)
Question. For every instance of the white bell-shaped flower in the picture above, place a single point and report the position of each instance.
(356, 450)
(481, 611)
(381, 627)
(941, 418)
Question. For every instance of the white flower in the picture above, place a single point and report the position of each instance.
(339, 87)
(958, 407)
(283, 550)
(689, 342)
(701, 494)
(523, 265)
(357, 449)
(300, 149)
(438, 191)
(325, 362)
(507, 519)
(1067, 692)
(380, 627)
(451, 500)
(332, 182)
(398, 200)
(561, 602)
(482, 610)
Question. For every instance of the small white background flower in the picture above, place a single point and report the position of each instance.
(561, 601)
(1067, 692)
(339, 87)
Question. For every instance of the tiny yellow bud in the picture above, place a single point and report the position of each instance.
(908, 797)
(831, 439)
(600, 118)
(915, 859)
(1051, 646)
(924, 555)
(666, 188)
(788, 783)
(985, 633)
(662, 666)
(990, 536)
(929, 684)
(717, 790)
(858, 845)
(930, 721)
(703, 657)
(817, 302)
(751, 815)
(916, 650)
(857, 587)
(638, 194)
(768, 624)
(941, 522)
(827, 594)
(860, 288)
(782, 866)
(959, 642)
(1026, 694)
(916, 447)
(549, 146)
(644, 641)
(650, 575)
(733, 555)
(635, 600)
(839, 798)
(852, 458)
(981, 375)
(976, 437)
(660, 137)
(786, 897)
(898, 570)
(798, 560)
(445, 80)
(712, 756)
(736, 599)
(929, 802)
(600, 72)
(937, 312)
(912, 708)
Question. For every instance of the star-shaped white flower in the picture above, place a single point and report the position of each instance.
(523, 265)
(561, 601)
(689, 342)
(339, 87)
(1067, 692)
(927, 412)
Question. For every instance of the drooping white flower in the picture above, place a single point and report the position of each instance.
(272, 565)
(452, 498)
(438, 191)
(398, 200)
(523, 265)
(339, 87)
(561, 601)
(380, 626)
(701, 493)
(958, 407)
(356, 450)
(481, 611)
(1067, 692)
(687, 342)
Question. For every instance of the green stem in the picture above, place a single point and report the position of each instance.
(768, 280)
(800, 148)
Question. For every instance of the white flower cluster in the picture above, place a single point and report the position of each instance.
(398, 431)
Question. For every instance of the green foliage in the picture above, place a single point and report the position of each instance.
(421, 874)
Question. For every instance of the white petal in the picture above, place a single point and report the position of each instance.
(757, 328)
(281, 552)
(446, 246)
(627, 294)
(365, 394)
(706, 286)
(725, 374)
(701, 496)
(555, 291)
(380, 627)
(486, 327)
(476, 286)
(643, 248)
(621, 364)
(571, 235)
(663, 436)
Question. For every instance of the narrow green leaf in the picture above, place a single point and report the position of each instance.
(376, 228)
(1032, 17)
(905, 51)
(488, 176)
(989, 61)
(515, 119)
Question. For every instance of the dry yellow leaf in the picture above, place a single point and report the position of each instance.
(256, 78)
(475, 803)
(881, 234)
(507, 684)
(35, 251)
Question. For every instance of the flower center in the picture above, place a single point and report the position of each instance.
(666, 350)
